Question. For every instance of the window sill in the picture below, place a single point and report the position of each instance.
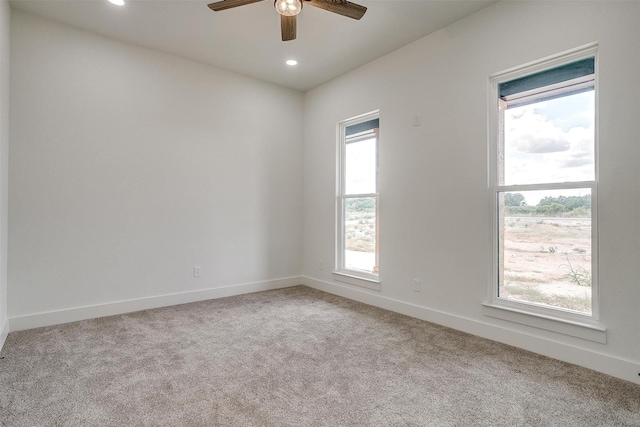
(357, 281)
(574, 328)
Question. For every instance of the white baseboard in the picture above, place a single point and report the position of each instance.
(4, 332)
(610, 365)
(109, 309)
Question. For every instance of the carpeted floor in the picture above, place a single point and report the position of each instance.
(291, 357)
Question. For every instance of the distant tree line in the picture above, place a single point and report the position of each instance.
(366, 204)
(575, 206)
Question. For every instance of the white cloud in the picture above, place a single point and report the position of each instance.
(540, 148)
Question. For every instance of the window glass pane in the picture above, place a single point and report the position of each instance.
(361, 167)
(360, 234)
(550, 141)
(545, 248)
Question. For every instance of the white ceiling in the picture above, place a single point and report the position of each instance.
(246, 39)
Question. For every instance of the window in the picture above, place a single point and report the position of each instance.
(544, 188)
(357, 202)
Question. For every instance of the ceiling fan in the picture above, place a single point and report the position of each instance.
(288, 9)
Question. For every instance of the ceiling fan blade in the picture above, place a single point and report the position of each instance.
(228, 4)
(288, 25)
(341, 7)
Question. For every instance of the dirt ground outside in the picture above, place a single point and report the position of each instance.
(548, 261)
(360, 240)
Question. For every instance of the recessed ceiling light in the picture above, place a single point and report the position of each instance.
(292, 62)
(117, 2)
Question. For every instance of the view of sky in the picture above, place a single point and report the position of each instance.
(361, 167)
(550, 142)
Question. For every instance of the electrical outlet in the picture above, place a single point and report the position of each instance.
(321, 265)
(196, 271)
(416, 285)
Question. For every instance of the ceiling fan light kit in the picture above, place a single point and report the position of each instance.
(288, 9)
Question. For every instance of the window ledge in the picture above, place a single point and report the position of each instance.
(364, 282)
(574, 328)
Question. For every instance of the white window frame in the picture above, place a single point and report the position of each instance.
(342, 274)
(554, 319)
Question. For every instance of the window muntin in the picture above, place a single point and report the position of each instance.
(544, 188)
(358, 248)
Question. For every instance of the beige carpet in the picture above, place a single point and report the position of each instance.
(295, 357)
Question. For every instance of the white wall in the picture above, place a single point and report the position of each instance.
(128, 167)
(434, 198)
(5, 15)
